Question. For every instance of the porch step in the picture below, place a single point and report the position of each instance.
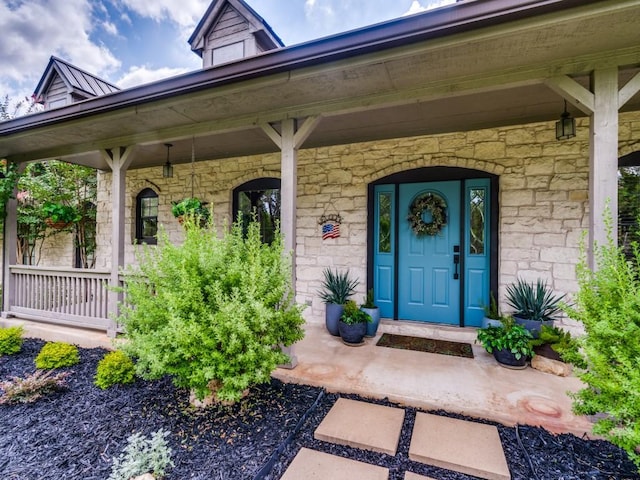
(312, 465)
(415, 476)
(362, 425)
(428, 330)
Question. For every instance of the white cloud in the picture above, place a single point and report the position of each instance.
(139, 75)
(110, 28)
(33, 31)
(416, 7)
(186, 13)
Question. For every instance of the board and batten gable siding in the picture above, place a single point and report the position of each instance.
(230, 29)
(56, 92)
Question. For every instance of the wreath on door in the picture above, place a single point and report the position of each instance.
(427, 203)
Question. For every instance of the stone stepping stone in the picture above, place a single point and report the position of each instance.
(415, 476)
(459, 445)
(362, 425)
(311, 465)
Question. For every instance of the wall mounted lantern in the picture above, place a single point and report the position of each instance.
(167, 168)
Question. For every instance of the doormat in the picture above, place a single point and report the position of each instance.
(429, 345)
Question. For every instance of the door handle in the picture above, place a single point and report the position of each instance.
(456, 263)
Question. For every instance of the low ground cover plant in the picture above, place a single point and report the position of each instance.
(32, 387)
(57, 355)
(143, 455)
(608, 305)
(115, 368)
(10, 340)
(213, 311)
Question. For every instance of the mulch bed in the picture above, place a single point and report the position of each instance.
(429, 345)
(74, 434)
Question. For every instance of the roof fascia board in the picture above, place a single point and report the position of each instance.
(466, 17)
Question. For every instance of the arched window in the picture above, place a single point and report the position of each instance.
(261, 196)
(147, 217)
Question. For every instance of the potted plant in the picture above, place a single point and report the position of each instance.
(510, 344)
(534, 305)
(353, 324)
(191, 207)
(337, 288)
(371, 309)
(58, 215)
(492, 316)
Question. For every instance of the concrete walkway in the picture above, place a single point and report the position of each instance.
(476, 387)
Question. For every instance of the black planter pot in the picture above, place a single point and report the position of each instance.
(332, 316)
(533, 326)
(352, 333)
(508, 359)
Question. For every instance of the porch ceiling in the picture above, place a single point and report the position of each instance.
(473, 79)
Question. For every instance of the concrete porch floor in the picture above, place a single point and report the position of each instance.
(477, 387)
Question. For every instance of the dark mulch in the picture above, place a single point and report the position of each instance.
(429, 345)
(75, 434)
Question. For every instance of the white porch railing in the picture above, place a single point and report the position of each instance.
(67, 296)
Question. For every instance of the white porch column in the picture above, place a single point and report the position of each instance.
(289, 140)
(119, 160)
(10, 255)
(603, 155)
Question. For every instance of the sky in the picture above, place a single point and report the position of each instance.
(131, 42)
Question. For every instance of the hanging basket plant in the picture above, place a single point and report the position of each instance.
(59, 216)
(427, 203)
(191, 207)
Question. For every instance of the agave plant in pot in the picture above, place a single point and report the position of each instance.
(510, 343)
(353, 324)
(534, 305)
(337, 288)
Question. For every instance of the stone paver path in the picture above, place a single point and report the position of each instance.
(459, 445)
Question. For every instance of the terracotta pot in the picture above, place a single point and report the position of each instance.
(59, 225)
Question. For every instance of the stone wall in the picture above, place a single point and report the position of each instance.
(542, 213)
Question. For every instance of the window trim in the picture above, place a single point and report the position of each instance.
(145, 193)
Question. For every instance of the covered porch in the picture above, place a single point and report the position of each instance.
(453, 72)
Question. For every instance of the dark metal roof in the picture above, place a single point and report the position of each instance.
(457, 18)
(76, 79)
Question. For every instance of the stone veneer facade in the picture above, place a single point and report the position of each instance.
(543, 197)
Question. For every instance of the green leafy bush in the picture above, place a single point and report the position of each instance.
(115, 367)
(608, 305)
(10, 340)
(32, 387)
(352, 314)
(212, 310)
(57, 355)
(58, 212)
(143, 455)
(510, 336)
(561, 342)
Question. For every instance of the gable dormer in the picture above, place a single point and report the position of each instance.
(231, 30)
(63, 84)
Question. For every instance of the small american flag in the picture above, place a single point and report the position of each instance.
(330, 230)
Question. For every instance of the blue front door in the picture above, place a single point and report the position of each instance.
(440, 278)
(428, 265)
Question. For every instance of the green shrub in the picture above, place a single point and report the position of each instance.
(142, 455)
(561, 342)
(608, 305)
(57, 355)
(32, 387)
(115, 367)
(10, 340)
(212, 310)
